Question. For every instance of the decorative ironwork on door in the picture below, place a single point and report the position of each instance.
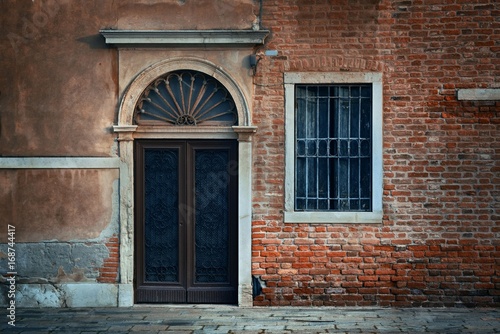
(161, 215)
(186, 98)
(186, 228)
(212, 208)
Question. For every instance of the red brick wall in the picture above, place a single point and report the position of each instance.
(439, 242)
(108, 272)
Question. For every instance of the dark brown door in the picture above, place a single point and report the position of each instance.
(186, 221)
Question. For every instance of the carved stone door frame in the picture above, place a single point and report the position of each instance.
(127, 132)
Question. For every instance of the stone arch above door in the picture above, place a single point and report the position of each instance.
(186, 98)
(141, 81)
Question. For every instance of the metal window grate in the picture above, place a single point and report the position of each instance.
(333, 148)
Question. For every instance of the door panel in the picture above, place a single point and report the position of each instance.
(186, 222)
(161, 233)
(211, 217)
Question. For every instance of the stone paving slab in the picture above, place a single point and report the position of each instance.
(258, 320)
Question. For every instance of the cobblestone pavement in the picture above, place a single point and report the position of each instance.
(228, 319)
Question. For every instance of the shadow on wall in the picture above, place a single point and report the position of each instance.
(96, 41)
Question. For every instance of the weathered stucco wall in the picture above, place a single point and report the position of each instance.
(186, 14)
(58, 95)
(59, 204)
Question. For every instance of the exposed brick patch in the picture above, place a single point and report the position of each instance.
(108, 272)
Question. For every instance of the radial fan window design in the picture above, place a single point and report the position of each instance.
(186, 98)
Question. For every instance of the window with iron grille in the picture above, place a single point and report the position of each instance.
(333, 147)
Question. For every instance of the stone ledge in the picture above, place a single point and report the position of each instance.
(312, 217)
(59, 163)
(183, 37)
(63, 295)
(478, 94)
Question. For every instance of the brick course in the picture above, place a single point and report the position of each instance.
(438, 244)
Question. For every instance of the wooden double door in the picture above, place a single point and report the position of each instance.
(186, 247)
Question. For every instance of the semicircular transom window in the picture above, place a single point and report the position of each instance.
(186, 98)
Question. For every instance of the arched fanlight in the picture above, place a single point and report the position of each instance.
(186, 98)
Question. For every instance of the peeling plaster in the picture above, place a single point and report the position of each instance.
(36, 295)
(56, 262)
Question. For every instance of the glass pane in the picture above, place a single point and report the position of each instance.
(343, 120)
(323, 111)
(212, 184)
(301, 118)
(334, 178)
(312, 190)
(312, 91)
(365, 119)
(366, 177)
(300, 187)
(353, 148)
(366, 91)
(334, 91)
(323, 148)
(343, 148)
(161, 230)
(301, 147)
(354, 178)
(301, 204)
(343, 178)
(354, 121)
(323, 205)
(301, 91)
(355, 91)
(334, 114)
(344, 91)
(312, 119)
(323, 178)
(323, 91)
(365, 148)
(334, 149)
(311, 148)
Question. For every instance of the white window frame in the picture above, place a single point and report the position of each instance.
(374, 216)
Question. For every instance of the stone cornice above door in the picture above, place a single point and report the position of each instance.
(166, 38)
